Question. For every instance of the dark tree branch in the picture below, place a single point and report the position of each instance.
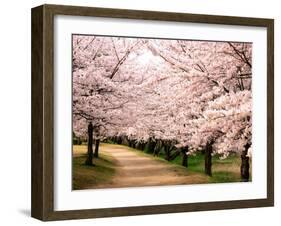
(93, 39)
(122, 60)
(241, 55)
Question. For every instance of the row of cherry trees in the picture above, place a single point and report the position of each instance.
(174, 96)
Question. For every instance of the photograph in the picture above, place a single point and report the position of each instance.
(155, 111)
(143, 111)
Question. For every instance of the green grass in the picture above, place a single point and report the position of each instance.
(91, 176)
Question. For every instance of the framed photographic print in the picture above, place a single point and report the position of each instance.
(141, 112)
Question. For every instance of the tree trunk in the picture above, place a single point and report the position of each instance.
(167, 151)
(97, 145)
(174, 154)
(89, 160)
(184, 157)
(151, 145)
(245, 165)
(139, 145)
(134, 144)
(208, 158)
(119, 140)
(142, 145)
(157, 148)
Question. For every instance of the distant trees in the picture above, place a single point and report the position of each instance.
(174, 96)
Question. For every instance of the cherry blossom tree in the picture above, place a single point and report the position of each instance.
(213, 71)
(97, 95)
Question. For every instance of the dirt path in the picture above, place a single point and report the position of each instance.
(137, 169)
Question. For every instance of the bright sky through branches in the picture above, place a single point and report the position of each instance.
(145, 58)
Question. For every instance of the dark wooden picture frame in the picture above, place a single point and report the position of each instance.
(42, 203)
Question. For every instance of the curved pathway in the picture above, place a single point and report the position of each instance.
(135, 168)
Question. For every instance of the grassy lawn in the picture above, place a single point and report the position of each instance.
(88, 176)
